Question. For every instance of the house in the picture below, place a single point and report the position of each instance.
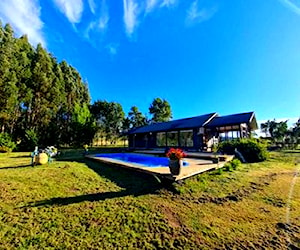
(194, 133)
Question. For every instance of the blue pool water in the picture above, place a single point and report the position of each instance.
(146, 160)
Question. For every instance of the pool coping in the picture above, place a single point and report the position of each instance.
(196, 166)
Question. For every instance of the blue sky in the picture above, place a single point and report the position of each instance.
(201, 55)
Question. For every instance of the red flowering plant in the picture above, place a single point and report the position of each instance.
(175, 154)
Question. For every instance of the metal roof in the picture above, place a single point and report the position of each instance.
(208, 120)
(234, 119)
(187, 123)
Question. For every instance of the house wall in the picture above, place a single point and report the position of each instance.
(142, 140)
(202, 138)
(148, 140)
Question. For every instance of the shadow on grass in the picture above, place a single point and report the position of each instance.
(21, 156)
(133, 183)
(80, 198)
(22, 166)
(296, 151)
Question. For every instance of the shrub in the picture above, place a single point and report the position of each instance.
(228, 167)
(6, 143)
(29, 141)
(220, 171)
(251, 149)
(235, 163)
(232, 165)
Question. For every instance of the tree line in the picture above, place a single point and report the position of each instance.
(280, 134)
(111, 121)
(46, 102)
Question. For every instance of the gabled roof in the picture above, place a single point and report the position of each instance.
(221, 121)
(187, 123)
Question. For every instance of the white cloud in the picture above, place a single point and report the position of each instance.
(104, 16)
(112, 48)
(98, 24)
(151, 5)
(89, 28)
(92, 6)
(24, 16)
(196, 15)
(130, 16)
(103, 22)
(168, 3)
(72, 9)
(293, 5)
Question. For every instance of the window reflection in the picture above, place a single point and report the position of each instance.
(186, 138)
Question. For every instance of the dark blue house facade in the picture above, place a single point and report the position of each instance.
(194, 133)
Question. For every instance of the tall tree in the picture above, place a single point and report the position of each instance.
(109, 117)
(277, 130)
(41, 101)
(160, 109)
(268, 127)
(136, 117)
(8, 79)
(280, 130)
(296, 129)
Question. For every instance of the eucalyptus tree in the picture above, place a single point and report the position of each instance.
(8, 79)
(136, 118)
(41, 100)
(160, 109)
(109, 118)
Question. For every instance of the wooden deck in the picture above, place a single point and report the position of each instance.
(196, 166)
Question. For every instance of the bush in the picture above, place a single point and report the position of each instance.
(235, 163)
(29, 141)
(232, 165)
(251, 149)
(6, 143)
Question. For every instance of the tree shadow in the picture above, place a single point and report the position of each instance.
(77, 199)
(21, 166)
(21, 156)
(133, 183)
(296, 151)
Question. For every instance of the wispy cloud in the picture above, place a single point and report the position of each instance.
(130, 16)
(104, 16)
(168, 3)
(92, 6)
(72, 9)
(293, 5)
(89, 28)
(198, 15)
(153, 4)
(99, 24)
(24, 16)
(112, 48)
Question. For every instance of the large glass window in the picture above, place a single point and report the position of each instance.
(161, 139)
(186, 138)
(172, 138)
(229, 135)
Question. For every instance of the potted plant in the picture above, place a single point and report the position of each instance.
(175, 156)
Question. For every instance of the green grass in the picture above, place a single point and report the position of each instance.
(74, 203)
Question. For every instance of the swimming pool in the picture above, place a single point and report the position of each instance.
(145, 160)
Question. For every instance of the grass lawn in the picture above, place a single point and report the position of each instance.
(76, 203)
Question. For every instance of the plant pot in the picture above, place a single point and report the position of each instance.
(175, 166)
